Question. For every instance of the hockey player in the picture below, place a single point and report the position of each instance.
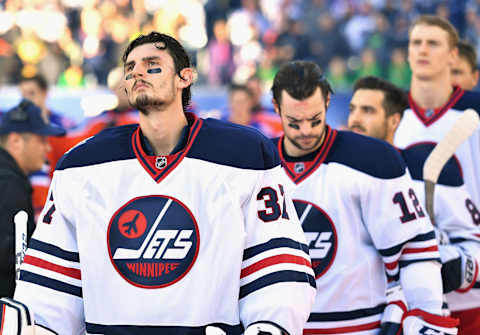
(162, 228)
(434, 103)
(464, 70)
(376, 109)
(352, 194)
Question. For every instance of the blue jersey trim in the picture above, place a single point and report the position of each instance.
(53, 284)
(274, 244)
(94, 328)
(111, 144)
(233, 145)
(470, 99)
(218, 142)
(396, 249)
(415, 157)
(276, 277)
(53, 250)
(345, 316)
(366, 154)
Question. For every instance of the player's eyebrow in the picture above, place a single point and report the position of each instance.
(292, 119)
(144, 59)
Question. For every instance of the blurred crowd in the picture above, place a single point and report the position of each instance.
(77, 43)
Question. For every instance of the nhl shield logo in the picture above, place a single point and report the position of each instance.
(299, 167)
(161, 162)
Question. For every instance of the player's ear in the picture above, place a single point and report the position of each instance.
(393, 122)
(276, 106)
(186, 77)
(327, 103)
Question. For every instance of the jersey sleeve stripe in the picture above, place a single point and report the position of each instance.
(350, 315)
(50, 283)
(418, 250)
(54, 250)
(398, 248)
(273, 260)
(274, 278)
(273, 244)
(71, 272)
(93, 328)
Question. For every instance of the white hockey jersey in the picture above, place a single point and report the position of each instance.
(136, 244)
(455, 214)
(359, 212)
(419, 126)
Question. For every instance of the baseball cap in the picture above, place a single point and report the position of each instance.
(27, 118)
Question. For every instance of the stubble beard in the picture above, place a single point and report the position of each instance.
(144, 103)
(310, 148)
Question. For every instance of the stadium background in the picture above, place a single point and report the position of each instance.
(77, 44)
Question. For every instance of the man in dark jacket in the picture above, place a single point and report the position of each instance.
(23, 149)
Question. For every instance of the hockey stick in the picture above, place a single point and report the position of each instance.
(20, 219)
(462, 129)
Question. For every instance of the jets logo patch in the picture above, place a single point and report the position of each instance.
(153, 241)
(320, 233)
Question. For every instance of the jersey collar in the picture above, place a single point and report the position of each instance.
(299, 168)
(429, 116)
(158, 167)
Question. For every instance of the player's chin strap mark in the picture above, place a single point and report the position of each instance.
(155, 70)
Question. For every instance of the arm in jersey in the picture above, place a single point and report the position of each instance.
(277, 281)
(50, 281)
(457, 216)
(404, 236)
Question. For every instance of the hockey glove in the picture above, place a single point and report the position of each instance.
(418, 322)
(264, 328)
(393, 313)
(459, 268)
(16, 319)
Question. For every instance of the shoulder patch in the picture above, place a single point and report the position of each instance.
(111, 144)
(369, 155)
(234, 145)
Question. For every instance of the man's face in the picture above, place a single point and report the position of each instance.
(303, 122)
(462, 74)
(429, 53)
(241, 104)
(157, 89)
(367, 116)
(34, 153)
(31, 91)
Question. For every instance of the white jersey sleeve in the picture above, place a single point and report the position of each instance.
(50, 280)
(411, 254)
(277, 281)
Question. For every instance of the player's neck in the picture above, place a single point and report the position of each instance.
(163, 129)
(431, 94)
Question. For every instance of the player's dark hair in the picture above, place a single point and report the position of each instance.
(174, 49)
(300, 79)
(395, 100)
(37, 79)
(239, 87)
(468, 52)
(440, 22)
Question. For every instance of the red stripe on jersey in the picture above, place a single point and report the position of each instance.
(342, 330)
(273, 260)
(70, 272)
(392, 265)
(417, 250)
